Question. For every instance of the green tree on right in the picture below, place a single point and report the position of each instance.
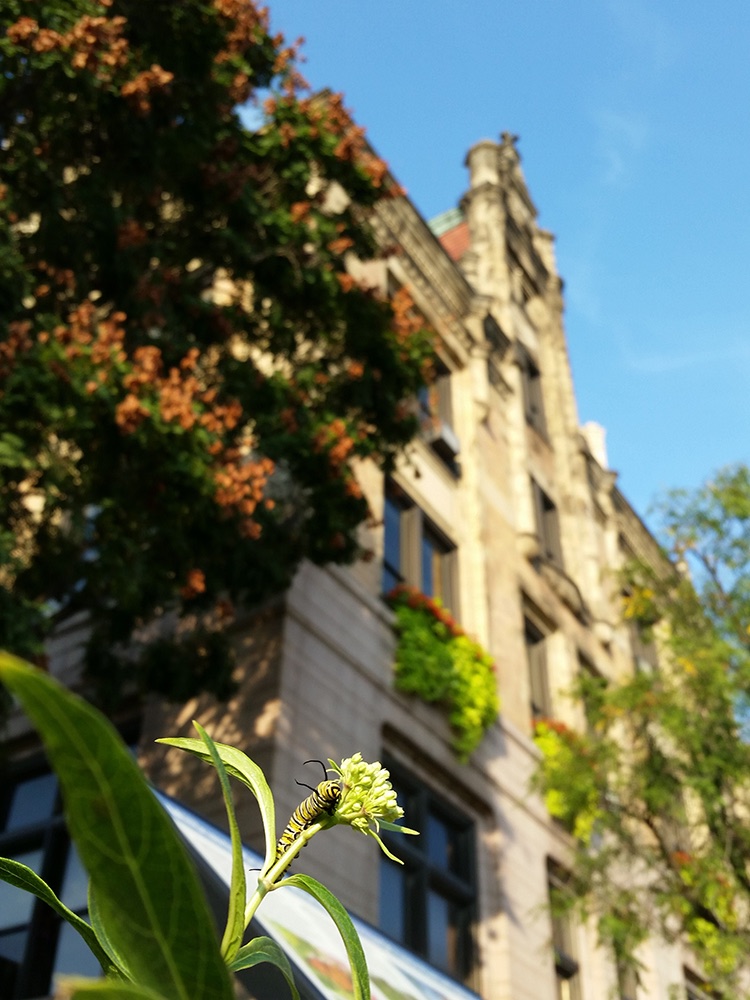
(657, 790)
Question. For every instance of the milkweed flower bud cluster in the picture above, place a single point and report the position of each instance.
(368, 794)
(368, 800)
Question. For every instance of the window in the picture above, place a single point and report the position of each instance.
(547, 526)
(536, 656)
(35, 943)
(392, 557)
(567, 967)
(531, 379)
(695, 988)
(435, 557)
(498, 345)
(428, 904)
(415, 552)
(627, 981)
(592, 686)
(496, 339)
(643, 648)
(436, 417)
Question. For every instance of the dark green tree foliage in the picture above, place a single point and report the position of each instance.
(657, 792)
(187, 371)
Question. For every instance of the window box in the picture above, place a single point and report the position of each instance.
(436, 660)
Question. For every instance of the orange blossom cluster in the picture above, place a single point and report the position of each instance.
(96, 43)
(334, 439)
(182, 399)
(137, 92)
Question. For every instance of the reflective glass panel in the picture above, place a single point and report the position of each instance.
(441, 934)
(33, 801)
(73, 955)
(392, 899)
(12, 948)
(392, 545)
(75, 883)
(440, 843)
(15, 904)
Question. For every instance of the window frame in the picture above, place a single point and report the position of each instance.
(695, 987)
(596, 681)
(644, 651)
(540, 698)
(533, 395)
(435, 412)
(44, 927)
(627, 981)
(423, 875)
(563, 939)
(415, 528)
(547, 518)
(50, 834)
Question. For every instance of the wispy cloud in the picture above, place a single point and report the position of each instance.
(581, 292)
(653, 39)
(736, 352)
(621, 138)
(645, 46)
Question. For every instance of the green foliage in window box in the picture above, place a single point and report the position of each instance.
(436, 660)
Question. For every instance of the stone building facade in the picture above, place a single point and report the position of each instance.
(504, 508)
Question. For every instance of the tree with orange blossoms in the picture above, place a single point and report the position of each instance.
(187, 371)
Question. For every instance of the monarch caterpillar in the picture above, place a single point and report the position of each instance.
(324, 799)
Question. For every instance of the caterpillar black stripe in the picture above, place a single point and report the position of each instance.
(324, 799)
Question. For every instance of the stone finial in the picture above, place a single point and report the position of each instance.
(482, 163)
(507, 153)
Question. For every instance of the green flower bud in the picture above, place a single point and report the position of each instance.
(368, 801)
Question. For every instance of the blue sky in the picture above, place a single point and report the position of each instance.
(634, 125)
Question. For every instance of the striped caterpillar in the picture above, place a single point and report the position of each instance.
(324, 799)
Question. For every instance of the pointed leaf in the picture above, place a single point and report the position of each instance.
(240, 766)
(24, 877)
(148, 895)
(357, 962)
(118, 960)
(384, 824)
(383, 848)
(235, 927)
(264, 949)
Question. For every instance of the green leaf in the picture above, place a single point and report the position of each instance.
(264, 949)
(13, 451)
(357, 962)
(25, 878)
(235, 927)
(385, 824)
(118, 960)
(92, 989)
(147, 893)
(383, 848)
(240, 766)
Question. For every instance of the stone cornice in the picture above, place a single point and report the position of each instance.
(428, 266)
(636, 534)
